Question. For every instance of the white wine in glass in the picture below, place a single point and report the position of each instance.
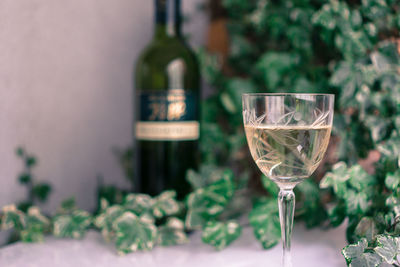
(288, 135)
(287, 154)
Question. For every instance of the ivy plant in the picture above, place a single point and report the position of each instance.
(37, 192)
(349, 48)
(345, 47)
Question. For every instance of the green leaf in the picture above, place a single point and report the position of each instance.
(375, 9)
(207, 175)
(367, 228)
(388, 248)
(207, 203)
(12, 218)
(165, 204)
(381, 62)
(354, 250)
(110, 193)
(379, 127)
(105, 220)
(325, 17)
(133, 233)
(356, 202)
(356, 256)
(360, 179)
(231, 98)
(264, 219)
(353, 43)
(299, 38)
(20, 152)
(367, 259)
(24, 205)
(104, 204)
(393, 202)
(24, 178)
(391, 148)
(274, 65)
(30, 226)
(337, 179)
(337, 214)
(210, 64)
(302, 85)
(36, 225)
(41, 191)
(392, 180)
(219, 234)
(342, 74)
(138, 203)
(194, 179)
(172, 233)
(30, 161)
(240, 46)
(73, 225)
(67, 205)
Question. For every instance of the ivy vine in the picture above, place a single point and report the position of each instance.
(349, 48)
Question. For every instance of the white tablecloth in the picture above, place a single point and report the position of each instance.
(310, 248)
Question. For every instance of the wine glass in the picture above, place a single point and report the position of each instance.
(288, 135)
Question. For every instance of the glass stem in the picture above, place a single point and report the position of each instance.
(286, 201)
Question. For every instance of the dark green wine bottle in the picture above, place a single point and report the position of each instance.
(167, 95)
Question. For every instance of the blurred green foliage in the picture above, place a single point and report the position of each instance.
(37, 192)
(349, 48)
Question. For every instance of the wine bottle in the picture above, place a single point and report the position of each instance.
(167, 92)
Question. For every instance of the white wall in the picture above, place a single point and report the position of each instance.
(65, 89)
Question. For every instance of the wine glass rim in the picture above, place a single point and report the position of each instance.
(286, 94)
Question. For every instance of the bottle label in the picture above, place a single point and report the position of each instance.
(167, 115)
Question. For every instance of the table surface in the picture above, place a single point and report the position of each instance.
(310, 248)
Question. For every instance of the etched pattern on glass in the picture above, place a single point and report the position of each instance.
(287, 148)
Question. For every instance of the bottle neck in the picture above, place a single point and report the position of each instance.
(168, 19)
